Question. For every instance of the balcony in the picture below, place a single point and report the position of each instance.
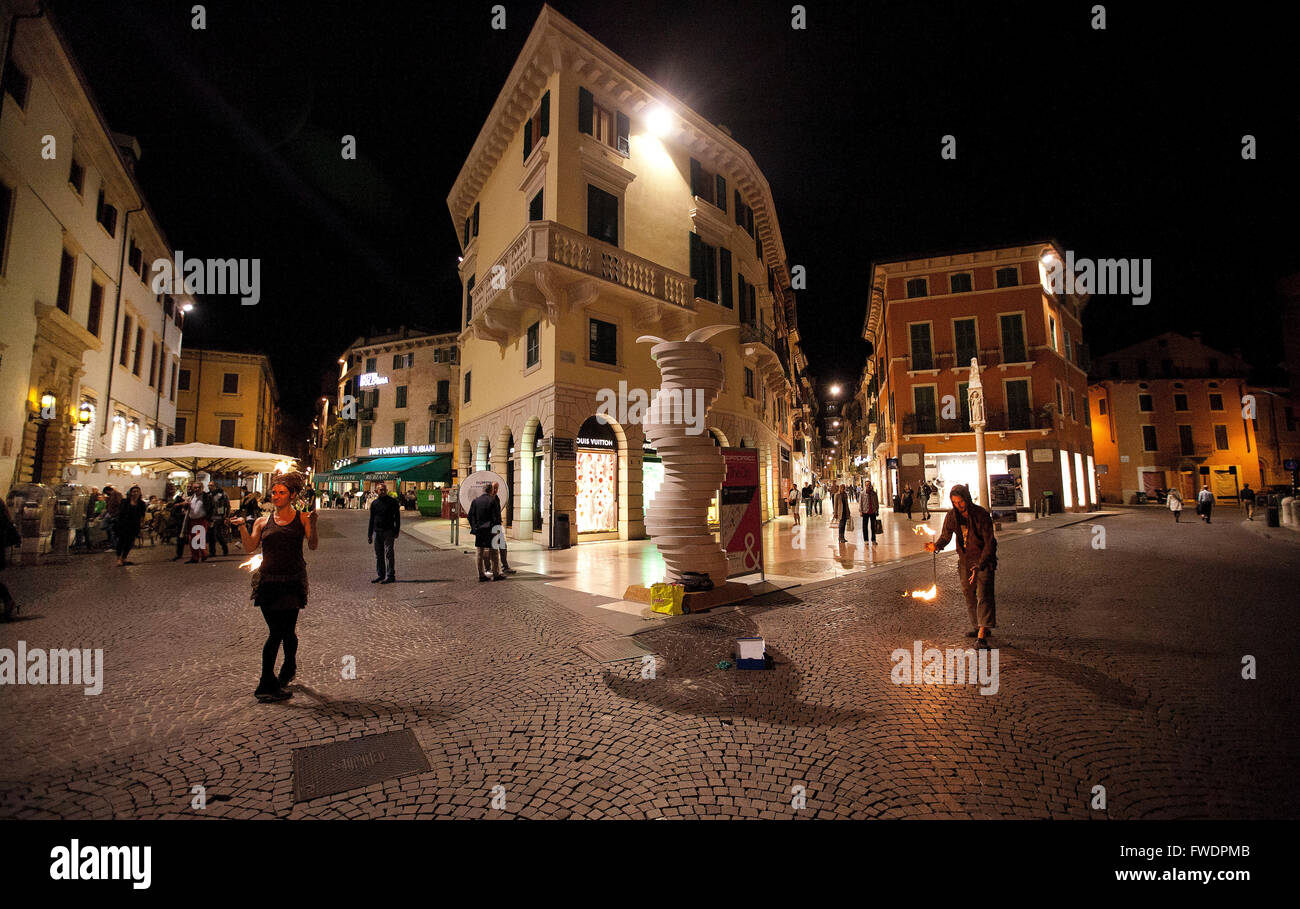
(440, 407)
(366, 414)
(555, 270)
(759, 340)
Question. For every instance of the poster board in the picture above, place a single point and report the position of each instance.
(740, 519)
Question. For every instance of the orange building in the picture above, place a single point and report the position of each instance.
(927, 319)
(1172, 412)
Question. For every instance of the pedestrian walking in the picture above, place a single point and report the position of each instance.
(385, 526)
(81, 538)
(1175, 502)
(977, 560)
(842, 509)
(280, 583)
(112, 502)
(818, 492)
(198, 514)
(868, 510)
(130, 515)
(220, 512)
(907, 500)
(1205, 503)
(1247, 497)
(807, 493)
(484, 522)
(9, 536)
(793, 499)
(926, 491)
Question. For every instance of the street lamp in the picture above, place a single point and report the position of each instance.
(835, 390)
(85, 413)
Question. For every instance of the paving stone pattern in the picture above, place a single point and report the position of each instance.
(1118, 667)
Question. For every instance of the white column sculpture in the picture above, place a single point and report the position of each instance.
(691, 377)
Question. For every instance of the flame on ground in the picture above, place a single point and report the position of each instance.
(252, 564)
(925, 594)
(923, 528)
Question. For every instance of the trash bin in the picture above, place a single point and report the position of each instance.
(1274, 508)
(429, 502)
(562, 531)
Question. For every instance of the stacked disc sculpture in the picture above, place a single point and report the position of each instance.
(691, 377)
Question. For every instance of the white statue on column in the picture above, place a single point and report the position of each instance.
(694, 468)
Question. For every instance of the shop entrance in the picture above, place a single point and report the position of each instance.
(539, 458)
(597, 478)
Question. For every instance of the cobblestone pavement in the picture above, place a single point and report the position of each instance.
(1118, 667)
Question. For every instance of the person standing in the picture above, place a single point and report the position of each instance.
(81, 539)
(130, 515)
(793, 499)
(907, 500)
(220, 512)
(112, 502)
(484, 520)
(385, 525)
(198, 514)
(1247, 496)
(818, 492)
(1175, 502)
(501, 539)
(926, 492)
(280, 584)
(842, 509)
(977, 560)
(868, 510)
(807, 499)
(1205, 503)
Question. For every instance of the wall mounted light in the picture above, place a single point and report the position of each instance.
(85, 413)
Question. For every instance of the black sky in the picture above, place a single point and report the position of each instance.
(1124, 142)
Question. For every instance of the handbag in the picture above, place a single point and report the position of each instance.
(880, 526)
(849, 525)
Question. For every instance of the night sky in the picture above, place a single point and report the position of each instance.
(1117, 143)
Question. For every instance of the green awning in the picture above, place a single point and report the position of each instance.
(437, 470)
(431, 468)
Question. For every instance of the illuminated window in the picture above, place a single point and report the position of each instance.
(86, 436)
(132, 436)
(1066, 493)
(119, 434)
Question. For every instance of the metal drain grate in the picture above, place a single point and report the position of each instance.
(339, 766)
(614, 649)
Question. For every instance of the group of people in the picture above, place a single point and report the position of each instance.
(910, 499)
(1205, 503)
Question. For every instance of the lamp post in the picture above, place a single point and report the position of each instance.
(975, 397)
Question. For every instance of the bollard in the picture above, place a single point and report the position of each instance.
(30, 528)
(62, 525)
(1286, 515)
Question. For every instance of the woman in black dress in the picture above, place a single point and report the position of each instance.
(130, 514)
(280, 584)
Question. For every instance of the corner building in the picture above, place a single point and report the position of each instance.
(595, 208)
(927, 319)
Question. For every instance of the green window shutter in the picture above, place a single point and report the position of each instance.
(722, 192)
(586, 111)
(623, 126)
(697, 177)
(697, 263)
(724, 270)
(528, 138)
(710, 273)
(476, 219)
(749, 220)
(545, 113)
(740, 215)
(740, 294)
(466, 232)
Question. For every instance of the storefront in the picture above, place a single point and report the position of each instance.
(652, 476)
(597, 479)
(945, 471)
(401, 474)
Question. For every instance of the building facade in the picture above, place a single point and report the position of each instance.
(1172, 412)
(595, 208)
(227, 398)
(89, 352)
(927, 319)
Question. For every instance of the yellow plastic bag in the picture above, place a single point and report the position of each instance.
(666, 598)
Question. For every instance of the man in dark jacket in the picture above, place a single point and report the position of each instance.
(485, 522)
(220, 513)
(385, 525)
(977, 560)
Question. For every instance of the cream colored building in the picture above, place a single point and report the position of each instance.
(80, 329)
(594, 208)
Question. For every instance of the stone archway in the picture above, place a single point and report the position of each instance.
(466, 458)
(482, 454)
(530, 470)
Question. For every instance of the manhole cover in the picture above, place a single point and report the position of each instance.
(339, 766)
(614, 649)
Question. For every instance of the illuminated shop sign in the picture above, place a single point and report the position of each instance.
(403, 449)
(370, 379)
(595, 443)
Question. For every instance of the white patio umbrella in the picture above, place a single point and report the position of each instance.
(200, 457)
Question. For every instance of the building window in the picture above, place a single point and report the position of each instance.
(1146, 403)
(228, 433)
(960, 284)
(602, 124)
(1051, 333)
(182, 424)
(748, 301)
(1060, 408)
(916, 287)
(603, 338)
(1072, 405)
(535, 208)
(95, 316)
(467, 375)
(749, 382)
(67, 271)
(963, 401)
(15, 82)
(1149, 439)
(537, 126)
(86, 436)
(922, 351)
(924, 408)
(704, 269)
(398, 361)
(401, 396)
(1069, 347)
(106, 215)
(77, 177)
(399, 432)
(1013, 338)
(708, 186)
(230, 383)
(444, 390)
(1185, 442)
(173, 393)
(1216, 402)
(1008, 277)
(967, 347)
(372, 364)
(1019, 414)
(533, 350)
(139, 350)
(602, 215)
(184, 381)
(366, 429)
(1101, 407)
(469, 299)
(1220, 437)
(1180, 402)
(153, 365)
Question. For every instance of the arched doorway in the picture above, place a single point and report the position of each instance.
(597, 483)
(510, 478)
(538, 463)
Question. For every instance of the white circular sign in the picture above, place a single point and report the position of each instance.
(480, 482)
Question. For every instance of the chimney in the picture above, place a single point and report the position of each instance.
(129, 147)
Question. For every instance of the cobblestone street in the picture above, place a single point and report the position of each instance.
(1119, 667)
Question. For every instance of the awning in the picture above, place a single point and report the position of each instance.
(437, 470)
(429, 468)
